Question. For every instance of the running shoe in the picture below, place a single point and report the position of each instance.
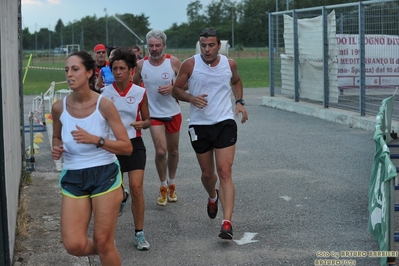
(122, 207)
(140, 243)
(226, 232)
(212, 207)
(162, 198)
(172, 197)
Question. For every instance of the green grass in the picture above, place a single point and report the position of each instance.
(38, 80)
(254, 73)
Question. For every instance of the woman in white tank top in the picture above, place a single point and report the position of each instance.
(90, 179)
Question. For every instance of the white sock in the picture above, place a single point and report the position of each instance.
(214, 199)
(171, 181)
(164, 183)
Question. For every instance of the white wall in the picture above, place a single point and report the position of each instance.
(10, 112)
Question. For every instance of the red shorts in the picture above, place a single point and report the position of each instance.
(172, 124)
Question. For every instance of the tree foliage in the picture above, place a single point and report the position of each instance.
(242, 23)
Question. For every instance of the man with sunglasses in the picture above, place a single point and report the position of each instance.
(99, 58)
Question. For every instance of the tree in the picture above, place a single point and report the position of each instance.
(220, 15)
(248, 17)
(27, 39)
(255, 22)
(59, 26)
(194, 12)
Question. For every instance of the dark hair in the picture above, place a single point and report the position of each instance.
(210, 32)
(138, 48)
(89, 64)
(126, 54)
(109, 50)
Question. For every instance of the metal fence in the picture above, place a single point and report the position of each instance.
(343, 56)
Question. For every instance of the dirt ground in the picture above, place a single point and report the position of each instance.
(43, 239)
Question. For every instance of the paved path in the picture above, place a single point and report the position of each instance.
(301, 188)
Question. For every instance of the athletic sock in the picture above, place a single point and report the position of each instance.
(171, 181)
(164, 183)
(214, 199)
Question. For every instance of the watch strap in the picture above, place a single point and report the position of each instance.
(100, 142)
(240, 101)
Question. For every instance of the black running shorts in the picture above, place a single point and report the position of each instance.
(136, 160)
(206, 137)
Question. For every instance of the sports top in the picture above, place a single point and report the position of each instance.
(98, 68)
(80, 155)
(215, 82)
(108, 77)
(153, 77)
(128, 103)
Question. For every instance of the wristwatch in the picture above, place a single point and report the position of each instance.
(101, 142)
(240, 101)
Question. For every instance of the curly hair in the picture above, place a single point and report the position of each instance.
(123, 53)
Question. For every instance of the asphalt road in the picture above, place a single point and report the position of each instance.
(301, 189)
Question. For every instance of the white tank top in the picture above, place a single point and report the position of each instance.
(215, 82)
(78, 155)
(153, 77)
(128, 104)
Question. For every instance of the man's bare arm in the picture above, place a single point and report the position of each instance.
(137, 73)
(180, 86)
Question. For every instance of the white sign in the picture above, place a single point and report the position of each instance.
(381, 61)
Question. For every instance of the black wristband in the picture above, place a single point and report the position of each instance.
(240, 101)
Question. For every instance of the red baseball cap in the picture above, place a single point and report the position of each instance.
(99, 47)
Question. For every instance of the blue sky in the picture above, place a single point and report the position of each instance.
(37, 14)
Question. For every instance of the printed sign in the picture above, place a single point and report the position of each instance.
(381, 61)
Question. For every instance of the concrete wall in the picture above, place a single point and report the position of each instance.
(10, 157)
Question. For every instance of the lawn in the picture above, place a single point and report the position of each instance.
(41, 73)
(254, 73)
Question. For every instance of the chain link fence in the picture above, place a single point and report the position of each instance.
(344, 56)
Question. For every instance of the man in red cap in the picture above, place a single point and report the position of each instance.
(100, 53)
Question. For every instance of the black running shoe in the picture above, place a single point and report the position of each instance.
(226, 232)
(212, 207)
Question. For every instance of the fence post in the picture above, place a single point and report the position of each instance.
(296, 56)
(32, 144)
(271, 54)
(326, 80)
(362, 66)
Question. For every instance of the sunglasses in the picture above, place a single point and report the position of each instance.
(100, 52)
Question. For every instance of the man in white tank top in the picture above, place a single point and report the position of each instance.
(157, 71)
(212, 78)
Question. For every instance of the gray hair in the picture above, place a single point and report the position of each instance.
(158, 34)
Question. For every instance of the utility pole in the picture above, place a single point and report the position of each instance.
(49, 38)
(106, 26)
(232, 27)
(82, 39)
